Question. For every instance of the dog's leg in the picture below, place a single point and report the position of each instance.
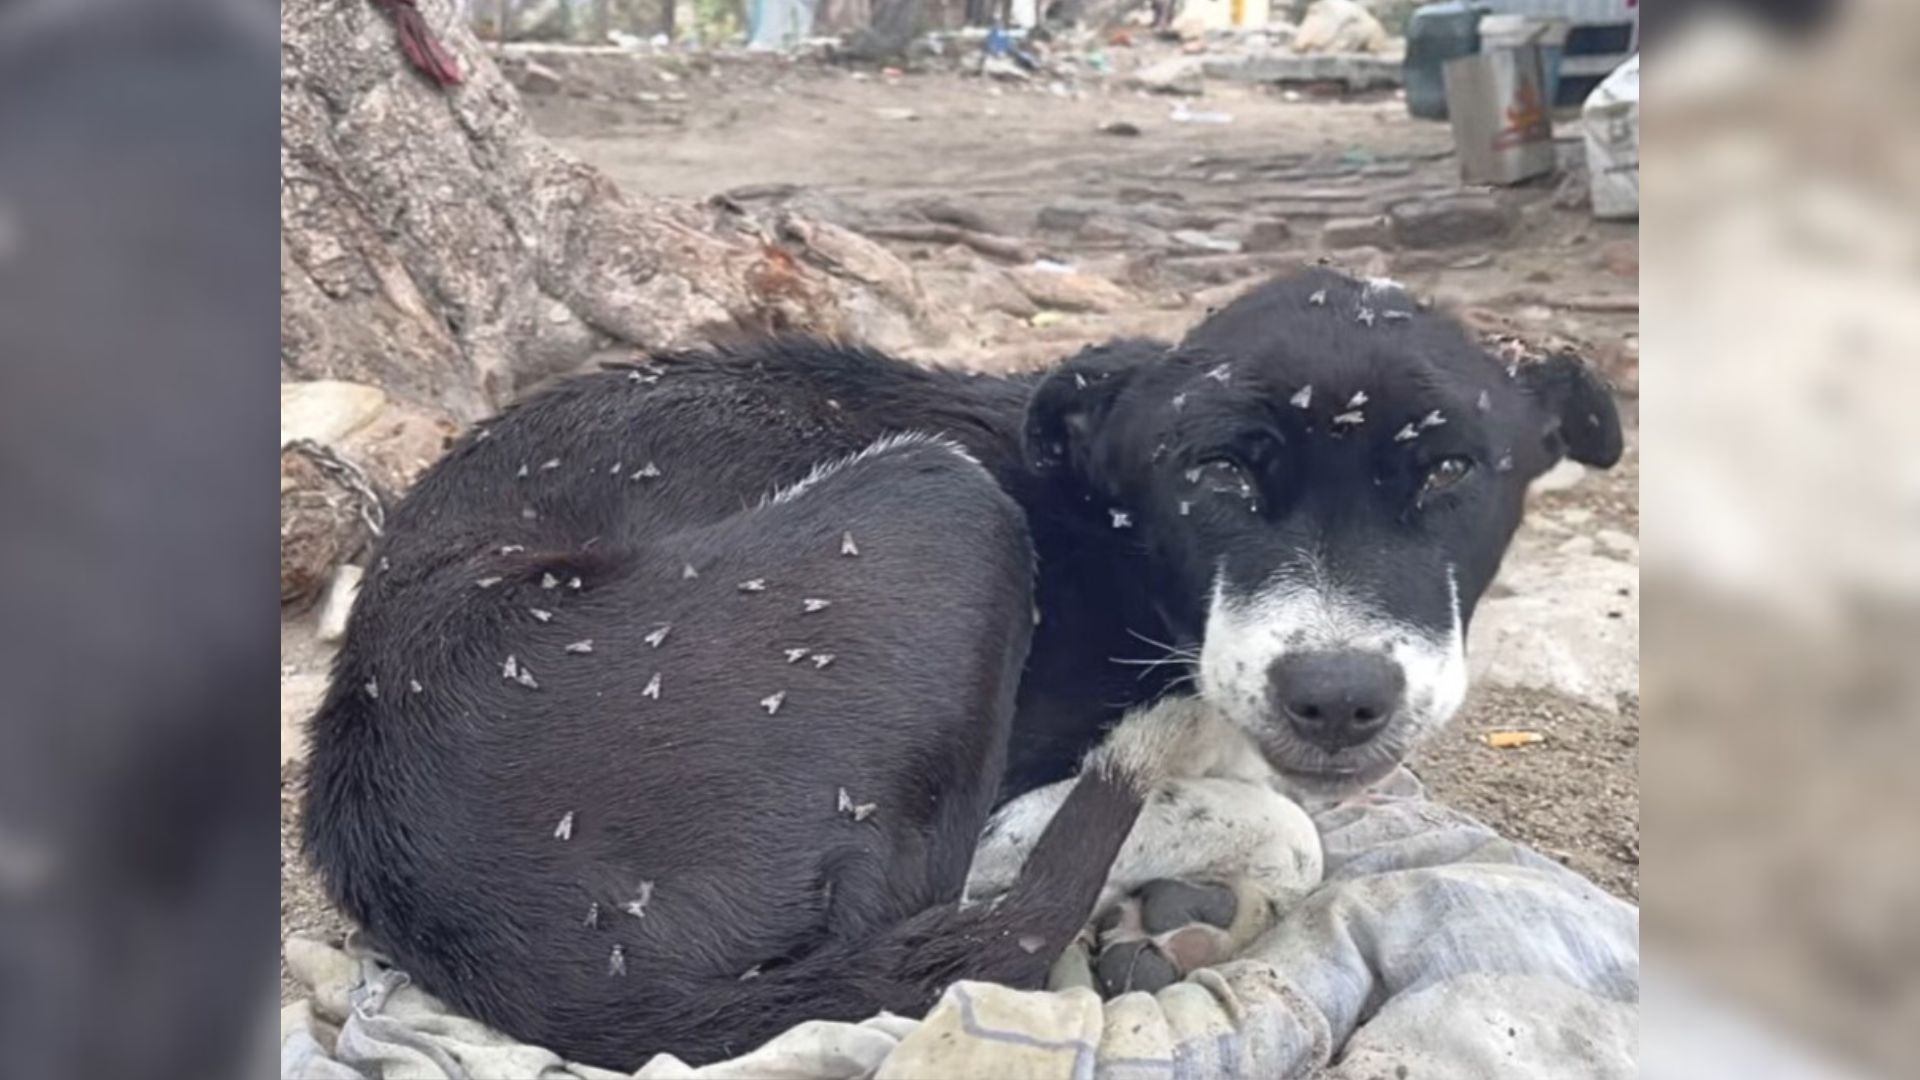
(1212, 857)
(1172, 738)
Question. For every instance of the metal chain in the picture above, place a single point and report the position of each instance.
(347, 475)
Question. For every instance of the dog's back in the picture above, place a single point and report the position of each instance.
(623, 755)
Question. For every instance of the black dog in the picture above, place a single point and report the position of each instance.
(674, 706)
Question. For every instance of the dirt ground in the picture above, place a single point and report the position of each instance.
(1030, 162)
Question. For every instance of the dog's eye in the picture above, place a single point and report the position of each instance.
(1221, 476)
(1444, 475)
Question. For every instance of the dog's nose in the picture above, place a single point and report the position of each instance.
(1337, 699)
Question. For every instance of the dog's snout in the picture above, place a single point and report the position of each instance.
(1337, 699)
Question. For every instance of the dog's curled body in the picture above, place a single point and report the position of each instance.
(677, 696)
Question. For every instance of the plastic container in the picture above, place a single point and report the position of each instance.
(1437, 33)
(1502, 125)
(1514, 31)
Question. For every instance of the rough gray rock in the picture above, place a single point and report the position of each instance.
(1447, 220)
(1562, 620)
(1259, 234)
(1352, 232)
(1358, 72)
(1181, 75)
(1340, 26)
(537, 78)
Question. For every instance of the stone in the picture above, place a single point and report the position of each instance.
(1182, 75)
(319, 526)
(1562, 477)
(1350, 232)
(1204, 270)
(1565, 622)
(1069, 290)
(1067, 215)
(1576, 545)
(1260, 234)
(1352, 72)
(1203, 241)
(981, 287)
(338, 604)
(1102, 229)
(1365, 262)
(1340, 26)
(537, 78)
(391, 442)
(1619, 543)
(398, 444)
(1449, 220)
(326, 410)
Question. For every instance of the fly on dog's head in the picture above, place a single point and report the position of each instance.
(1327, 479)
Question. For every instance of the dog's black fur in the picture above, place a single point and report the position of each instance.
(713, 811)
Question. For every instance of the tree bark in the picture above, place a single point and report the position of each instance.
(433, 245)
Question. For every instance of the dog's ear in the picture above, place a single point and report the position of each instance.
(1578, 416)
(1073, 400)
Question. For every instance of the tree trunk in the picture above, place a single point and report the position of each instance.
(432, 245)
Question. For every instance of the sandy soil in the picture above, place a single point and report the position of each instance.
(873, 149)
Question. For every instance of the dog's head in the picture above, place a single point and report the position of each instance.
(1326, 479)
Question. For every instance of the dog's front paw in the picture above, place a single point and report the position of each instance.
(1170, 929)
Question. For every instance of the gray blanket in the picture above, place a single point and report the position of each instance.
(1432, 949)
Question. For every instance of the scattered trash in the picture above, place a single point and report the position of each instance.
(1611, 122)
(1507, 740)
(1003, 67)
(1183, 115)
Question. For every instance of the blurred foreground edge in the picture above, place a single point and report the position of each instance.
(138, 329)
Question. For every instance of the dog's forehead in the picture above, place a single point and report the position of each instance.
(1326, 345)
(1288, 379)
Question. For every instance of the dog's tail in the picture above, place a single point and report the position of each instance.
(1014, 940)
